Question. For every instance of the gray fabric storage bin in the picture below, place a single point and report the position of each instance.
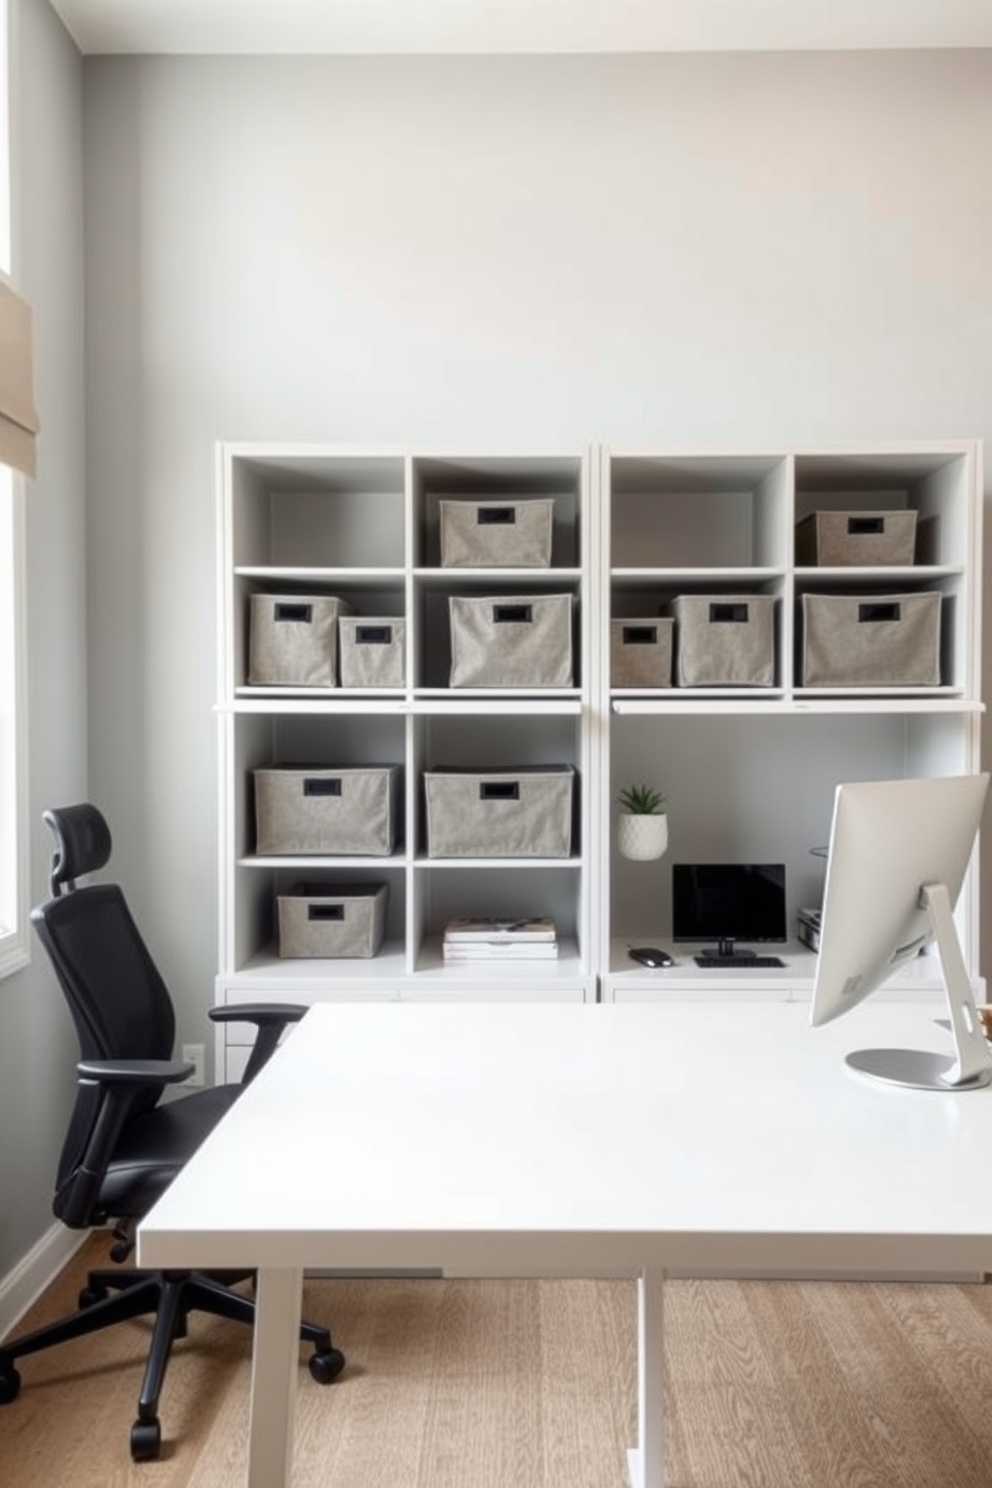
(513, 641)
(878, 640)
(865, 539)
(293, 639)
(496, 534)
(326, 810)
(724, 640)
(372, 651)
(641, 653)
(332, 919)
(525, 813)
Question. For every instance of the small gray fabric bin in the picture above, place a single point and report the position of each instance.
(513, 641)
(293, 639)
(326, 810)
(496, 534)
(724, 640)
(877, 640)
(865, 539)
(525, 813)
(372, 651)
(332, 919)
(641, 653)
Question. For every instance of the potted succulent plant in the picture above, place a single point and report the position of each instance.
(642, 826)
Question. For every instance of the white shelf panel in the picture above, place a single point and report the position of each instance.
(920, 981)
(500, 864)
(797, 972)
(496, 700)
(313, 860)
(267, 966)
(940, 699)
(494, 577)
(311, 700)
(702, 700)
(916, 574)
(267, 573)
(936, 701)
(735, 573)
(689, 470)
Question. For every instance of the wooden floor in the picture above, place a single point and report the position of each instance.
(484, 1384)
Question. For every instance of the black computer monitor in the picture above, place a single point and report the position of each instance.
(727, 904)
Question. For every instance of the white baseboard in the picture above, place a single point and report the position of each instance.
(35, 1271)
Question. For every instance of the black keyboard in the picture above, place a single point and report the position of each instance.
(733, 962)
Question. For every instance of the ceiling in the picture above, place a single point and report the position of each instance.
(518, 26)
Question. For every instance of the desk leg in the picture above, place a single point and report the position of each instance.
(275, 1362)
(646, 1461)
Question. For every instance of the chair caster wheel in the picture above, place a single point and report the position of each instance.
(10, 1384)
(326, 1366)
(146, 1439)
(90, 1296)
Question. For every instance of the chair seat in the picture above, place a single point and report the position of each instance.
(155, 1145)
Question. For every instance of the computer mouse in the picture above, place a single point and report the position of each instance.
(650, 956)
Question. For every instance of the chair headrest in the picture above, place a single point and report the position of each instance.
(82, 843)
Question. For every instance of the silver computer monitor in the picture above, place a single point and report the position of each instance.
(899, 851)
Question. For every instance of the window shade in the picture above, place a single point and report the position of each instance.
(18, 420)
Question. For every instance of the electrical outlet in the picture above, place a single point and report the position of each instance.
(194, 1053)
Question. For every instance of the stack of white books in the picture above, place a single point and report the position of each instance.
(475, 938)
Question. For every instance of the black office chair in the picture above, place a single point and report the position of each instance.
(123, 1147)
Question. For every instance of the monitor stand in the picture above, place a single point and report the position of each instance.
(970, 1067)
(729, 948)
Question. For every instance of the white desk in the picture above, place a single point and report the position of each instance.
(574, 1140)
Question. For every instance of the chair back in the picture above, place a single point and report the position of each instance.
(119, 1003)
(82, 844)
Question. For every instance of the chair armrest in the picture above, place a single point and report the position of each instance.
(118, 1083)
(262, 1014)
(136, 1072)
(270, 1020)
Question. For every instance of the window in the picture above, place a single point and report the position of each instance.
(13, 753)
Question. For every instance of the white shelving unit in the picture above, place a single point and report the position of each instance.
(364, 525)
(750, 772)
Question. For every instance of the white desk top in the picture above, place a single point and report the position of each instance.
(584, 1139)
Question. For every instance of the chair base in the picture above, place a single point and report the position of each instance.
(112, 1297)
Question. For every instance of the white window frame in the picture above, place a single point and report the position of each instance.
(13, 742)
(14, 941)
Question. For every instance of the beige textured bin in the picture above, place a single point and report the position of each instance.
(293, 639)
(880, 640)
(332, 920)
(863, 539)
(496, 534)
(525, 813)
(641, 653)
(372, 651)
(513, 641)
(724, 640)
(326, 810)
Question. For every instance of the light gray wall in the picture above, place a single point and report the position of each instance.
(37, 1046)
(490, 251)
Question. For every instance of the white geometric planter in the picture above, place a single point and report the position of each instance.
(642, 837)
